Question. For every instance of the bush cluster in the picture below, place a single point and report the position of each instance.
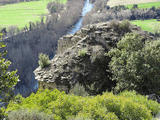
(135, 64)
(78, 90)
(24, 114)
(120, 27)
(125, 106)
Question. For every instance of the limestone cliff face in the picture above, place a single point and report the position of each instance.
(81, 58)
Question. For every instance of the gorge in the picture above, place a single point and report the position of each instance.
(23, 49)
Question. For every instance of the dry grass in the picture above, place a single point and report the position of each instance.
(127, 2)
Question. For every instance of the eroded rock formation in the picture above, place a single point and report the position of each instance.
(81, 58)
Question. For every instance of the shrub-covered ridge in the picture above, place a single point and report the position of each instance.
(125, 106)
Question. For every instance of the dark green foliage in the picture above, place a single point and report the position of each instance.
(44, 60)
(24, 114)
(125, 26)
(121, 27)
(135, 64)
(2, 113)
(125, 106)
(135, 6)
(7, 80)
(78, 90)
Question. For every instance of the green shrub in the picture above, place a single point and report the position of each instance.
(79, 118)
(121, 27)
(151, 105)
(135, 64)
(125, 26)
(135, 6)
(24, 114)
(2, 113)
(111, 116)
(8, 80)
(125, 106)
(44, 60)
(114, 24)
(78, 90)
(82, 53)
(125, 109)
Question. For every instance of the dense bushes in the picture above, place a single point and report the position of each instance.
(123, 27)
(25, 114)
(125, 106)
(78, 90)
(135, 64)
(8, 79)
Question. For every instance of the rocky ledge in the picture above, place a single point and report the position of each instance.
(81, 58)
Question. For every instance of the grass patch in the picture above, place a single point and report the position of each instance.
(20, 14)
(146, 5)
(147, 25)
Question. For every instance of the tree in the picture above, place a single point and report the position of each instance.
(8, 79)
(135, 64)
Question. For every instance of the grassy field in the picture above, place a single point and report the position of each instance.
(146, 5)
(147, 25)
(129, 2)
(21, 14)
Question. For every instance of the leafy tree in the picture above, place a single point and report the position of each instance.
(7, 78)
(135, 64)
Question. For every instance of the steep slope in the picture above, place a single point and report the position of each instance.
(81, 58)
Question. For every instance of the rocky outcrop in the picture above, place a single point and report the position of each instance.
(81, 58)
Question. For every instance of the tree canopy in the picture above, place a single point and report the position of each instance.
(135, 64)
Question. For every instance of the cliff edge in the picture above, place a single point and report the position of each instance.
(81, 58)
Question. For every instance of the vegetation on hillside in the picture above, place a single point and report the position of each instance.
(8, 80)
(135, 64)
(43, 60)
(125, 106)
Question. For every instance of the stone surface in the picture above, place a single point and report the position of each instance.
(81, 58)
